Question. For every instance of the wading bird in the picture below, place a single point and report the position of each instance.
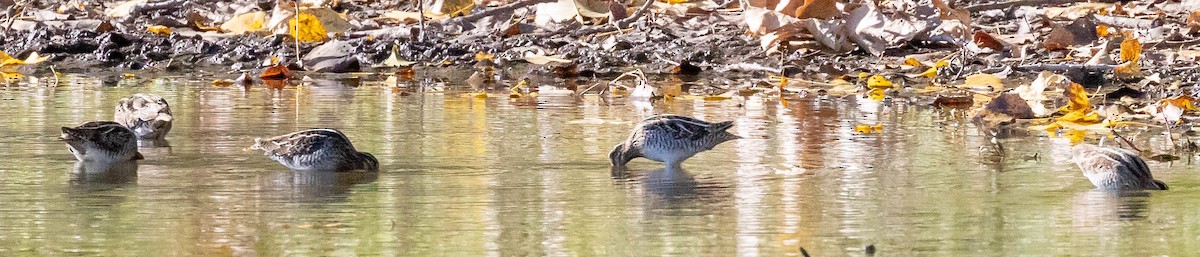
(149, 116)
(316, 150)
(1114, 169)
(101, 143)
(670, 139)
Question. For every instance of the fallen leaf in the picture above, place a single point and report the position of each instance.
(307, 29)
(761, 21)
(123, 9)
(396, 61)
(874, 31)
(451, 8)
(1077, 11)
(983, 39)
(1034, 93)
(242, 23)
(956, 102)
(1078, 109)
(1009, 104)
(1131, 50)
(1080, 32)
(868, 128)
(1128, 71)
(1102, 30)
(540, 58)
(878, 81)
(159, 30)
(983, 82)
(819, 9)
(555, 13)
(405, 17)
(279, 71)
(1193, 22)
(10, 64)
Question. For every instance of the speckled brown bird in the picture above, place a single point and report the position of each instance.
(316, 150)
(1114, 168)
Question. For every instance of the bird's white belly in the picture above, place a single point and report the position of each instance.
(665, 155)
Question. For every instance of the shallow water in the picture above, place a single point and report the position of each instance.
(462, 176)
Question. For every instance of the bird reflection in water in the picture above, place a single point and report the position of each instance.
(93, 176)
(673, 187)
(319, 186)
(1099, 210)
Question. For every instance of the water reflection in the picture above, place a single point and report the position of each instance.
(502, 177)
(103, 176)
(1099, 209)
(319, 186)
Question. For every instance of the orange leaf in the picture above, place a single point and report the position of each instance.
(1077, 99)
(277, 71)
(1184, 101)
(983, 39)
(1128, 70)
(1102, 30)
(1131, 50)
(820, 9)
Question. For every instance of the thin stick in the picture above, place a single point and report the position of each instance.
(1123, 139)
(1010, 4)
(421, 12)
(297, 35)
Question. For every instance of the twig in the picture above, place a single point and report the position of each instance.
(420, 12)
(297, 35)
(494, 11)
(1123, 22)
(1010, 4)
(1064, 66)
(1126, 140)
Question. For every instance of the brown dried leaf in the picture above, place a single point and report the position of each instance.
(820, 9)
(1081, 31)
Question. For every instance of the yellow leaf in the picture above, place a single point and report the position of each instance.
(1127, 70)
(985, 81)
(877, 94)
(1075, 135)
(12, 77)
(1102, 30)
(878, 82)
(481, 56)
(1078, 109)
(159, 30)
(868, 129)
(307, 28)
(912, 62)
(1077, 99)
(716, 98)
(863, 75)
(1131, 50)
(11, 65)
(930, 73)
(452, 8)
(1080, 118)
(242, 23)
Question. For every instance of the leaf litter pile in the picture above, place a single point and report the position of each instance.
(1067, 67)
